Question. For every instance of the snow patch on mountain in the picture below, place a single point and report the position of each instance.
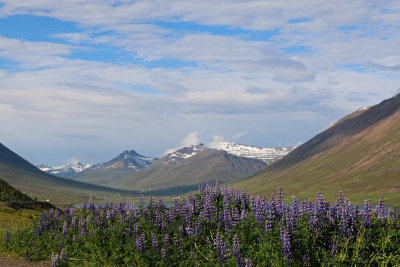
(66, 169)
(266, 154)
(183, 153)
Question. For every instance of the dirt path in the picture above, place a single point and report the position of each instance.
(16, 262)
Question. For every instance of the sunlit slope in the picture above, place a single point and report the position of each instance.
(359, 155)
(25, 177)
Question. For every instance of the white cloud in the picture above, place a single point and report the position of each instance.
(237, 135)
(190, 139)
(216, 140)
(350, 60)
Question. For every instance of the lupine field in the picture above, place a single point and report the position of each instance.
(218, 226)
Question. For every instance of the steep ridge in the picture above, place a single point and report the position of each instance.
(124, 164)
(187, 167)
(359, 155)
(24, 176)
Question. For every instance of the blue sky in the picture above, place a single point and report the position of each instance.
(87, 79)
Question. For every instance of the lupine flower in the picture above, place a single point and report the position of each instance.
(154, 243)
(139, 243)
(65, 229)
(285, 240)
(220, 248)
(367, 212)
(249, 263)
(54, 259)
(7, 236)
(164, 254)
(380, 209)
(236, 250)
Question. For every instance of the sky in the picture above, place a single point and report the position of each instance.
(88, 79)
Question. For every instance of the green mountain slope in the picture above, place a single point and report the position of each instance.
(207, 165)
(359, 155)
(25, 177)
(7, 192)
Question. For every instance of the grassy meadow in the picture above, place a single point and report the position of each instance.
(216, 226)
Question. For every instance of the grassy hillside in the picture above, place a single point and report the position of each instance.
(206, 166)
(8, 192)
(359, 155)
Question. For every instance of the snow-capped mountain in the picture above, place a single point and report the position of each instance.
(127, 159)
(183, 153)
(65, 170)
(266, 154)
(124, 164)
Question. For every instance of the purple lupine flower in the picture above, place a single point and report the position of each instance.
(235, 216)
(164, 254)
(166, 240)
(188, 230)
(154, 243)
(333, 245)
(295, 209)
(84, 209)
(285, 240)
(217, 188)
(236, 250)
(380, 209)
(54, 259)
(81, 225)
(269, 220)
(65, 229)
(73, 222)
(367, 212)
(57, 215)
(227, 215)
(249, 263)
(139, 243)
(340, 201)
(7, 236)
(91, 206)
(220, 248)
(243, 213)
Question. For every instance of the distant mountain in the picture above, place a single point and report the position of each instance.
(359, 155)
(266, 154)
(24, 176)
(66, 170)
(123, 165)
(188, 166)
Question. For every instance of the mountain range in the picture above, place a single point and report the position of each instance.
(22, 175)
(131, 161)
(181, 169)
(359, 155)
